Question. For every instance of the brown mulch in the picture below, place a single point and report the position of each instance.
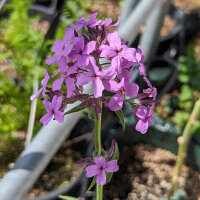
(188, 5)
(145, 174)
(108, 8)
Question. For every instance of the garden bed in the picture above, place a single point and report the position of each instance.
(146, 173)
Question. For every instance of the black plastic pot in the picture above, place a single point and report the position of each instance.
(162, 72)
(172, 44)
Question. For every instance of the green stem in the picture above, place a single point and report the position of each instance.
(184, 142)
(98, 131)
(99, 192)
(98, 147)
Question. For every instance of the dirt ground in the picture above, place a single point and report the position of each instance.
(146, 173)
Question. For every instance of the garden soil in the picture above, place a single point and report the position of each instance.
(146, 173)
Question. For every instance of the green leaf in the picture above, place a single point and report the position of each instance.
(114, 157)
(108, 177)
(75, 109)
(92, 183)
(184, 78)
(120, 114)
(186, 93)
(67, 197)
(91, 114)
(95, 153)
(116, 153)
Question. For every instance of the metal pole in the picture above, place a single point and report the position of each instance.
(32, 115)
(150, 38)
(128, 6)
(129, 30)
(2, 2)
(34, 159)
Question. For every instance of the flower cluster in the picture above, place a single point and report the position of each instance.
(100, 58)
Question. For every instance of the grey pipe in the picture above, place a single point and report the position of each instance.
(33, 160)
(150, 38)
(129, 30)
(128, 6)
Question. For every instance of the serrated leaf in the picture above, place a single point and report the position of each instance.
(75, 109)
(120, 114)
(67, 197)
(92, 183)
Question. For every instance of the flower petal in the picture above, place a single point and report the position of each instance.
(57, 45)
(132, 90)
(57, 84)
(112, 166)
(98, 87)
(56, 102)
(100, 161)
(34, 96)
(83, 79)
(101, 178)
(59, 116)
(92, 171)
(116, 64)
(70, 86)
(46, 119)
(142, 126)
(89, 47)
(116, 102)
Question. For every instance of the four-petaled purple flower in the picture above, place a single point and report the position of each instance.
(122, 89)
(117, 51)
(62, 47)
(101, 168)
(52, 109)
(95, 76)
(144, 117)
(82, 51)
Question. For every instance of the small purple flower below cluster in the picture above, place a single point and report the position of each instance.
(100, 168)
(100, 58)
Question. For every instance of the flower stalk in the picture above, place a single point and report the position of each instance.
(184, 142)
(99, 194)
(98, 130)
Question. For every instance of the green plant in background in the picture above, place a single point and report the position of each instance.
(20, 45)
(189, 92)
(72, 12)
(183, 142)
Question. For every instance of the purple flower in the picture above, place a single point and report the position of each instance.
(67, 77)
(95, 76)
(90, 23)
(101, 168)
(117, 51)
(62, 47)
(123, 88)
(52, 109)
(107, 22)
(82, 51)
(144, 117)
(151, 91)
(140, 58)
(112, 149)
(44, 84)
